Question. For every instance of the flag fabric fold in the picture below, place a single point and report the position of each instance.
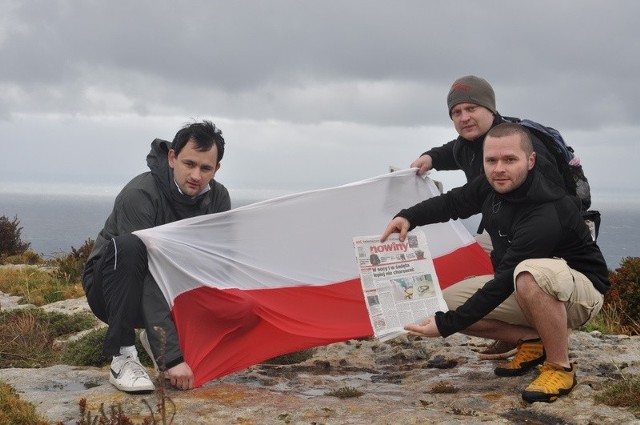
(280, 276)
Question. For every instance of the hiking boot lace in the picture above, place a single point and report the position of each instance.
(551, 377)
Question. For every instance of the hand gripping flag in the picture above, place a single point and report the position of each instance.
(280, 276)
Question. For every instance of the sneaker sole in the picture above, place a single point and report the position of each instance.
(139, 390)
(535, 396)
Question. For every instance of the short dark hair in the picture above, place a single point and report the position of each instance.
(509, 129)
(204, 134)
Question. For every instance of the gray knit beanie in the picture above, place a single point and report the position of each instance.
(471, 89)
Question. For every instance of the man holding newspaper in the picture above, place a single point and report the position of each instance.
(549, 275)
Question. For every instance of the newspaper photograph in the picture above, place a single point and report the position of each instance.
(399, 282)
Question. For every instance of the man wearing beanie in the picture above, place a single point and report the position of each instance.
(471, 104)
(472, 89)
(472, 108)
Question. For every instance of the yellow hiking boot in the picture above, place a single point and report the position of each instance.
(553, 382)
(530, 354)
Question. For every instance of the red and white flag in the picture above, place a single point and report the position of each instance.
(280, 276)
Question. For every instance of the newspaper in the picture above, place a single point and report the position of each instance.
(399, 282)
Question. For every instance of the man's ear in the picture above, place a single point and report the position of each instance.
(532, 161)
(171, 156)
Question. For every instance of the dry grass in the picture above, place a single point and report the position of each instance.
(444, 388)
(27, 335)
(24, 342)
(610, 321)
(37, 285)
(625, 393)
(15, 411)
(345, 392)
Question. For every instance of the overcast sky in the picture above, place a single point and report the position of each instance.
(308, 94)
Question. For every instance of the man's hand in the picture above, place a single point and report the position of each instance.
(397, 225)
(181, 376)
(426, 328)
(423, 164)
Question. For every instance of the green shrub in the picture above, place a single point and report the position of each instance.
(27, 335)
(71, 266)
(65, 324)
(31, 258)
(87, 351)
(625, 291)
(10, 237)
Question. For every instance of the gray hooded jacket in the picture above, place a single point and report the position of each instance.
(153, 199)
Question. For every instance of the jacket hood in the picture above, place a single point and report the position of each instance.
(158, 163)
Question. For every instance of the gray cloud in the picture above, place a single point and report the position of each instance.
(349, 86)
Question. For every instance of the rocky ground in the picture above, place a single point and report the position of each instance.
(400, 382)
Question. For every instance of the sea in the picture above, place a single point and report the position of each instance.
(55, 223)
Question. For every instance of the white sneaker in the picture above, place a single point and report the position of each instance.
(144, 340)
(128, 375)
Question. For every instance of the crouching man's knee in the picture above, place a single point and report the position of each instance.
(129, 253)
(525, 283)
(554, 277)
(551, 275)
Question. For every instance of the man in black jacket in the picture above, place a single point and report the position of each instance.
(549, 274)
(471, 103)
(120, 290)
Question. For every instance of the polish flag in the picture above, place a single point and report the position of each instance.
(281, 276)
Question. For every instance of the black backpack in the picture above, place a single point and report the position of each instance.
(570, 169)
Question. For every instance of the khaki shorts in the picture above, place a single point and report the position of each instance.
(484, 240)
(582, 300)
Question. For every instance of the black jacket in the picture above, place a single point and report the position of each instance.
(537, 220)
(466, 155)
(153, 199)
